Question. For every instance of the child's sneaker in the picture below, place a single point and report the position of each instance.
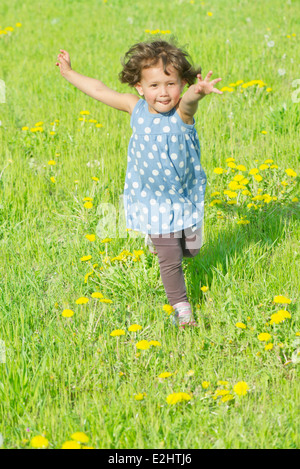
(150, 244)
(183, 315)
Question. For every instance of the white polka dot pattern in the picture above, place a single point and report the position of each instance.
(165, 182)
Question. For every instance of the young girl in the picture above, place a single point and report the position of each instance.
(165, 183)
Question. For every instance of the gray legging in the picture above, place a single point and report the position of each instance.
(171, 248)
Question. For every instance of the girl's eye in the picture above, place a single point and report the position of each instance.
(171, 83)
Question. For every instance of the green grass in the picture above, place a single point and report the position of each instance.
(65, 375)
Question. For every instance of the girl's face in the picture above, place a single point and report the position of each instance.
(162, 92)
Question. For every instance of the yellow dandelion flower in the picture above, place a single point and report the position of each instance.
(227, 398)
(253, 171)
(71, 444)
(165, 374)
(269, 346)
(140, 396)
(220, 392)
(51, 162)
(95, 178)
(243, 222)
(230, 194)
(264, 132)
(106, 240)
(87, 275)
(96, 294)
(25, 128)
(233, 185)
(86, 258)
(52, 179)
(295, 199)
(264, 337)
(231, 164)
(215, 201)
(241, 167)
(134, 328)
(168, 309)
(39, 442)
(241, 325)
(142, 345)
(238, 177)
(280, 316)
(82, 300)
(178, 397)
(80, 437)
(281, 300)
(105, 300)
(227, 88)
(85, 112)
(219, 170)
(204, 289)
(88, 205)
(67, 313)
(155, 343)
(241, 388)
(258, 177)
(117, 332)
(291, 172)
(205, 384)
(90, 237)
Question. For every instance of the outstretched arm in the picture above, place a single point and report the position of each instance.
(189, 102)
(95, 88)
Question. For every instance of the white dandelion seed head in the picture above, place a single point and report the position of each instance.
(281, 72)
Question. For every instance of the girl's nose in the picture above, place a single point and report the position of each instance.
(163, 91)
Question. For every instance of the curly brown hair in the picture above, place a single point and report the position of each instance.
(147, 54)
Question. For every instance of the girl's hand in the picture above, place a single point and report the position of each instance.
(64, 62)
(205, 87)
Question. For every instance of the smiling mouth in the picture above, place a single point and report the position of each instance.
(164, 102)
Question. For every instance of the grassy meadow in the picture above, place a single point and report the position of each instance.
(73, 373)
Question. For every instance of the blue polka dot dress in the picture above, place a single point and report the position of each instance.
(165, 182)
